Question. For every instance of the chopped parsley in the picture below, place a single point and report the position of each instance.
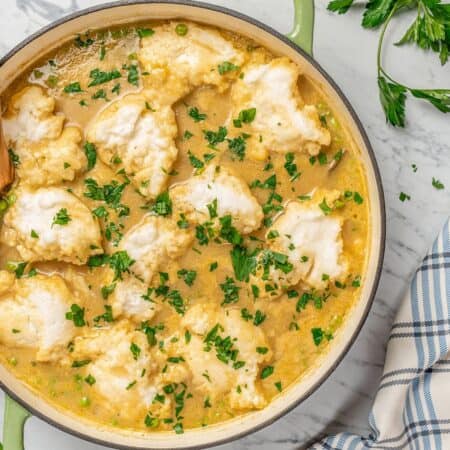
(61, 218)
(163, 205)
(245, 116)
(213, 266)
(212, 209)
(120, 262)
(90, 380)
(98, 76)
(237, 146)
(188, 276)
(437, 184)
(230, 291)
(144, 32)
(135, 351)
(266, 372)
(243, 262)
(15, 159)
(215, 137)
(319, 335)
(91, 154)
(402, 197)
(83, 43)
(195, 114)
(291, 167)
(73, 88)
(76, 314)
(107, 316)
(81, 363)
(34, 235)
(133, 74)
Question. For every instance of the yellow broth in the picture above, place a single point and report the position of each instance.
(288, 330)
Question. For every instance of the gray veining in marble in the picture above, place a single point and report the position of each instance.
(347, 52)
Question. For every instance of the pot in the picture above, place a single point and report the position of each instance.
(21, 401)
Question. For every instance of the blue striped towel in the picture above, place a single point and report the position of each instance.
(412, 406)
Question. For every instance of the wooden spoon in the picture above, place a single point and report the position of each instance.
(6, 166)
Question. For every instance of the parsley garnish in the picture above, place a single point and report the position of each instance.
(237, 146)
(266, 372)
(76, 314)
(402, 197)
(188, 276)
(91, 154)
(319, 335)
(163, 204)
(15, 158)
(135, 351)
(437, 184)
(133, 74)
(195, 114)
(61, 218)
(430, 30)
(120, 262)
(245, 116)
(83, 43)
(99, 77)
(230, 291)
(144, 32)
(244, 262)
(215, 137)
(107, 316)
(73, 88)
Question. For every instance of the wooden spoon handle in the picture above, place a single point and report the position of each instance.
(6, 166)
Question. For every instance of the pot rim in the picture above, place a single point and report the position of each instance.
(380, 194)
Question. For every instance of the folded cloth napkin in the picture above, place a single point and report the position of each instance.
(412, 406)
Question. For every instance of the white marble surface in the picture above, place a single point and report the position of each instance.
(347, 52)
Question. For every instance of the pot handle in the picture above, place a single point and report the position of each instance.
(302, 33)
(13, 425)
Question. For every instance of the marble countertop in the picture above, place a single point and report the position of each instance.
(347, 52)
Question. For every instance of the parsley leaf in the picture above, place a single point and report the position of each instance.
(99, 77)
(61, 218)
(393, 98)
(437, 184)
(244, 263)
(76, 314)
(376, 13)
(340, 6)
(188, 276)
(163, 204)
(73, 88)
(195, 114)
(91, 155)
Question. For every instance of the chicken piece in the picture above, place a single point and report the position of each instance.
(33, 315)
(178, 64)
(154, 241)
(47, 153)
(127, 372)
(219, 185)
(282, 122)
(142, 138)
(236, 378)
(130, 299)
(310, 244)
(51, 224)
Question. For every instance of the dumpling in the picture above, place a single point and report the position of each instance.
(283, 123)
(177, 64)
(237, 378)
(130, 299)
(33, 315)
(310, 244)
(217, 186)
(152, 243)
(51, 224)
(47, 152)
(140, 138)
(127, 372)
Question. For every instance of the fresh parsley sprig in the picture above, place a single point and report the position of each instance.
(430, 30)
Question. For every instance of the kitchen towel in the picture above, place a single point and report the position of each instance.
(412, 406)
